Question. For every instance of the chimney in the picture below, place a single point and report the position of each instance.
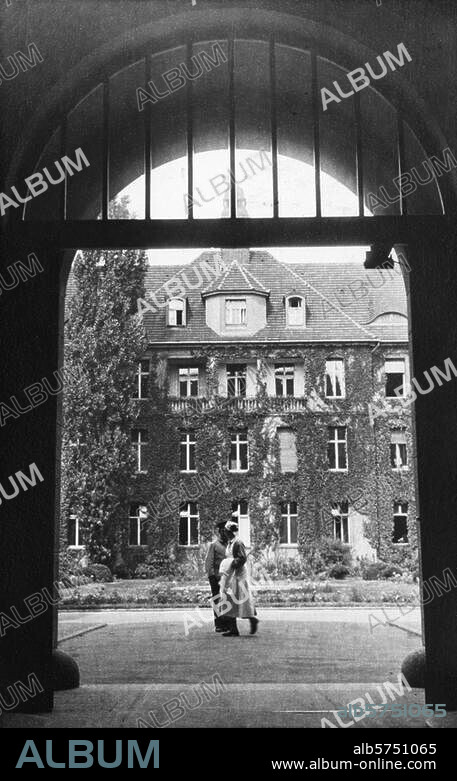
(241, 210)
(241, 255)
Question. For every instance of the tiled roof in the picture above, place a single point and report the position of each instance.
(235, 278)
(343, 300)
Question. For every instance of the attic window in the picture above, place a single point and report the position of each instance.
(235, 311)
(176, 311)
(295, 311)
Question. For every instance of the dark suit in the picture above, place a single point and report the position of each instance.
(216, 552)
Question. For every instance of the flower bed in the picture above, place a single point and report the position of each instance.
(134, 593)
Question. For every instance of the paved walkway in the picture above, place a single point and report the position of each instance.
(300, 668)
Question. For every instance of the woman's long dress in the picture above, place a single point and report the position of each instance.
(239, 593)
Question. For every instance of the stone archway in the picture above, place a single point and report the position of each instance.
(28, 531)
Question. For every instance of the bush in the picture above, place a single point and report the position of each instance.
(265, 561)
(339, 571)
(406, 557)
(390, 570)
(325, 553)
(145, 571)
(157, 564)
(290, 568)
(192, 566)
(121, 571)
(356, 594)
(100, 573)
(374, 570)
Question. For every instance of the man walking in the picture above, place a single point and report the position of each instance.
(216, 552)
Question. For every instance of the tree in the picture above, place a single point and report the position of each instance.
(104, 341)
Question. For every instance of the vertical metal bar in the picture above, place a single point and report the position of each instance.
(401, 161)
(316, 134)
(274, 128)
(106, 150)
(63, 151)
(359, 152)
(190, 136)
(147, 142)
(231, 57)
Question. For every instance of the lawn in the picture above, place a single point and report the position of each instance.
(280, 593)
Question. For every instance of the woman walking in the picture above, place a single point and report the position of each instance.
(234, 574)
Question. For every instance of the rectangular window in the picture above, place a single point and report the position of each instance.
(187, 452)
(288, 530)
(340, 521)
(139, 440)
(176, 312)
(188, 524)
(240, 514)
(137, 524)
(395, 378)
(284, 379)
(236, 379)
(76, 535)
(239, 455)
(188, 381)
(235, 311)
(334, 379)
(142, 380)
(400, 531)
(398, 453)
(337, 448)
(287, 449)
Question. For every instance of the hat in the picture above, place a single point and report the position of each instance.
(231, 526)
(219, 525)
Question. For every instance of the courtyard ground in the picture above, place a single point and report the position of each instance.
(300, 667)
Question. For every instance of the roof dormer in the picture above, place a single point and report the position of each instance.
(235, 303)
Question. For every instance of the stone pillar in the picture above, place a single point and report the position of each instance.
(432, 295)
(30, 351)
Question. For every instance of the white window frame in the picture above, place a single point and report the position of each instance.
(400, 513)
(173, 310)
(139, 517)
(235, 439)
(77, 545)
(343, 516)
(396, 361)
(139, 443)
(185, 513)
(235, 316)
(289, 308)
(335, 441)
(140, 374)
(399, 467)
(189, 375)
(187, 441)
(288, 515)
(243, 521)
(283, 374)
(237, 376)
(334, 370)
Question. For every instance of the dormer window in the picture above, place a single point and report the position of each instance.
(176, 311)
(235, 311)
(295, 311)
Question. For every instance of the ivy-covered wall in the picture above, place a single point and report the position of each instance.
(370, 485)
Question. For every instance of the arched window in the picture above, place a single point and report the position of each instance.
(176, 311)
(295, 311)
